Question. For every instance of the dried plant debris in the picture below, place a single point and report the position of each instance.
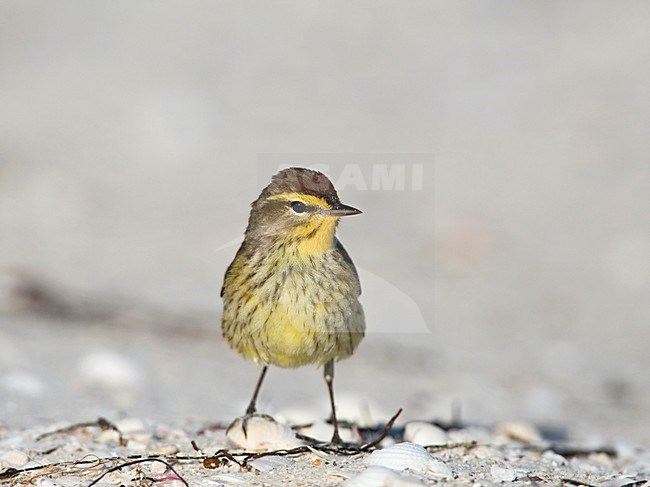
(137, 452)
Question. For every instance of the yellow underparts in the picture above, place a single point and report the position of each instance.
(291, 338)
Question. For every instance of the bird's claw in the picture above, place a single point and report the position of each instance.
(244, 421)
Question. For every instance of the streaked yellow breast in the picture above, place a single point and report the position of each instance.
(295, 306)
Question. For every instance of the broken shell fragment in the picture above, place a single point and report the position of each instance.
(520, 431)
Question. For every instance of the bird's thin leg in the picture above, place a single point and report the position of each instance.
(251, 407)
(328, 373)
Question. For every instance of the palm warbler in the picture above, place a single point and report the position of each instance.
(291, 294)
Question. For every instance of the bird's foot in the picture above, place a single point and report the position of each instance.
(242, 421)
(336, 442)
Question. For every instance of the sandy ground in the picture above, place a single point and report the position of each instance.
(505, 278)
(199, 386)
(137, 452)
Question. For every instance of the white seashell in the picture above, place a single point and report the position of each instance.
(262, 433)
(381, 477)
(264, 464)
(501, 474)
(409, 456)
(401, 456)
(521, 431)
(424, 434)
(14, 458)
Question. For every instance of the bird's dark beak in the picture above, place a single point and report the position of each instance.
(339, 209)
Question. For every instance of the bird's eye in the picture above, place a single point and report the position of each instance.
(298, 206)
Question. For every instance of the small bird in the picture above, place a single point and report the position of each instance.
(291, 295)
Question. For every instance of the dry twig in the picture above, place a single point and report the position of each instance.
(209, 461)
(134, 462)
(102, 423)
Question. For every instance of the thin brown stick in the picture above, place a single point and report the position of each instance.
(570, 451)
(383, 434)
(102, 423)
(229, 456)
(14, 472)
(135, 462)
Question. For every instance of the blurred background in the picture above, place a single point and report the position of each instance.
(511, 281)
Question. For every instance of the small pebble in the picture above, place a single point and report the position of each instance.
(108, 436)
(129, 426)
(137, 445)
(501, 474)
(601, 458)
(553, 458)
(157, 468)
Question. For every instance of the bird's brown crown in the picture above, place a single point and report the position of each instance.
(303, 181)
